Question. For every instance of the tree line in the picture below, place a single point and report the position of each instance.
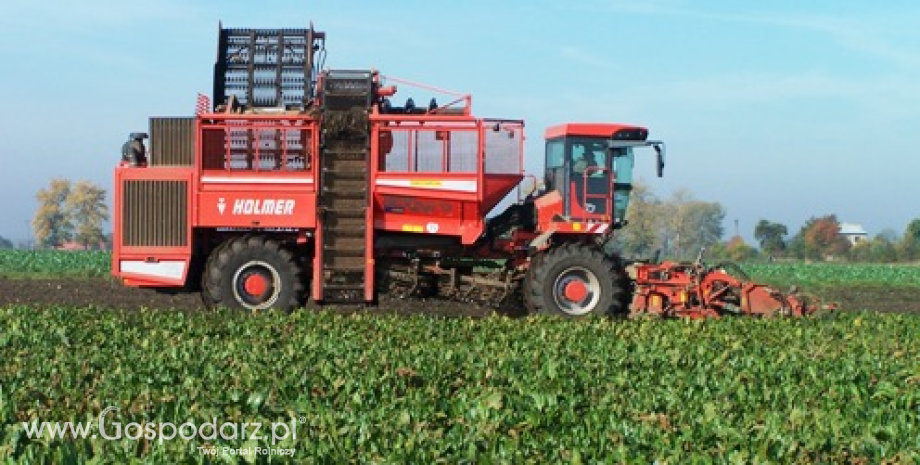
(680, 227)
(820, 239)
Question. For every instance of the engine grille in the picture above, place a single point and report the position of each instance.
(155, 213)
(172, 141)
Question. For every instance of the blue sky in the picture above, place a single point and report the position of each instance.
(779, 110)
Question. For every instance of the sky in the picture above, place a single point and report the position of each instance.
(781, 110)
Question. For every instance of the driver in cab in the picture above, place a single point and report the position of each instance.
(587, 161)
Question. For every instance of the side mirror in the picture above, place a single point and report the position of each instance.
(660, 151)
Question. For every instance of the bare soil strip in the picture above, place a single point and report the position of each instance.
(108, 293)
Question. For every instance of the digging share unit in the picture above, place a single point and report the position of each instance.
(307, 183)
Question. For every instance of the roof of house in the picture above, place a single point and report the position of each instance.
(852, 229)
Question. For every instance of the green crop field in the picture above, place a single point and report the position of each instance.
(45, 263)
(840, 388)
(834, 274)
(388, 389)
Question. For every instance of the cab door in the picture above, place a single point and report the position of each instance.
(558, 168)
(591, 180)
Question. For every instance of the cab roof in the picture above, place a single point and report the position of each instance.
(588, 129)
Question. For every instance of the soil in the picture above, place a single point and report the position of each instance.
(108, 293)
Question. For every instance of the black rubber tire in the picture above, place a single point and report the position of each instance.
(206, 297)
(222, 284)
(527, 286)
(603, 275)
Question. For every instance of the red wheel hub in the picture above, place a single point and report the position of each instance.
(575, 290)
(255, 284)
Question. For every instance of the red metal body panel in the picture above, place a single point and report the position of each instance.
(549, 218)
(433, 172)
(256, 208)
(255, 170)
(585, 129)
(149, 265)
(249, 171)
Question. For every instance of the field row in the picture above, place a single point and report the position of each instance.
(24, 263)
(422, 389)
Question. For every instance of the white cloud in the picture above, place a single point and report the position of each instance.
(584, 57)
(864, 34)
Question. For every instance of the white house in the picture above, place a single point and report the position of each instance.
(853, 232)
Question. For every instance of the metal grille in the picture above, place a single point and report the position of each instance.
(172, 141)
(343, 90)
(503, 148)
(155, 213)
(268, 67)
(256, 145)
(430, 150)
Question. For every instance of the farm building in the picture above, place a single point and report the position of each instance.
(853, 232)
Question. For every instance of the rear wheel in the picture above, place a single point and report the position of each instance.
(253, 273)
(576, 280)
(527, 287)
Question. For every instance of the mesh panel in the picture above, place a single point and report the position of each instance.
(242, 145)
(266, 67)
(432, 151)
(463, 151)
(503, 149)
(172, 141)
(154, 213)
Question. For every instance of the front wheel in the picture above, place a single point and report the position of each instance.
(575, 280)
(253, 273)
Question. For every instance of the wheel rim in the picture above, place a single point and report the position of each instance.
(256, 285)
(576, 291)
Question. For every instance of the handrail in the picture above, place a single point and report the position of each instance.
(607, 197)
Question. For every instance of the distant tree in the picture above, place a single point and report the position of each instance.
(5, 243)
(889, 235)
(640, 237)
(861, 252)
(770, 236)
(678, 227)
(86, 205)
(880, 249)
(820, 239)
(52, 225)
(909, 246)
(690, 225)
(734, 249)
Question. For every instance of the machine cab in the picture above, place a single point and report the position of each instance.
(591, 167)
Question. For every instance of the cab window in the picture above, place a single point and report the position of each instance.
(555, 153)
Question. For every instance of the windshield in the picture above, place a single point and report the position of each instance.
(588, 153)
